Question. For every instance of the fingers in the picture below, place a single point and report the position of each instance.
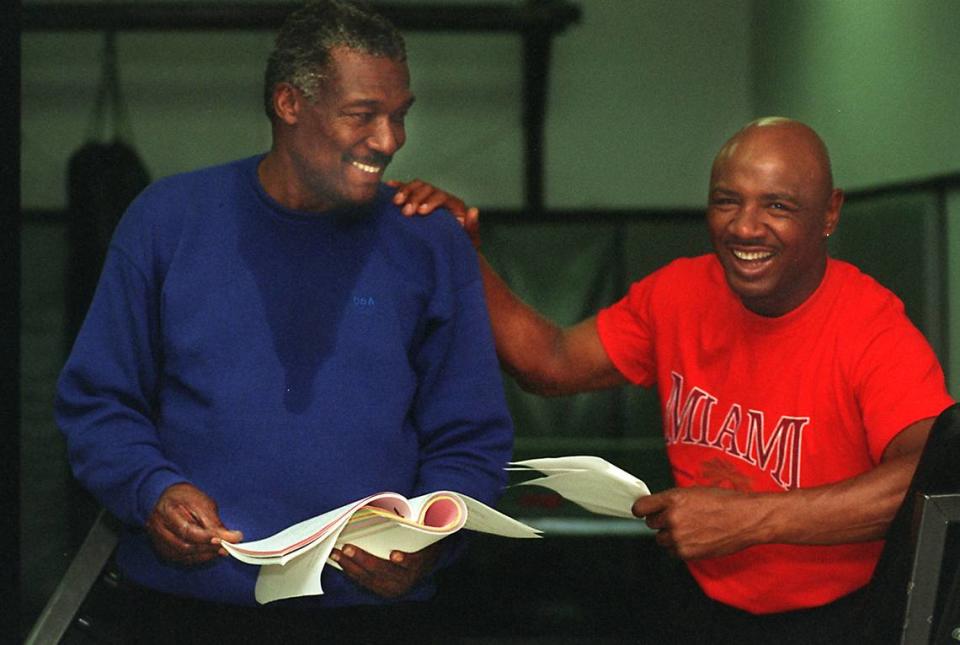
(410, 195)
(226, 535)
(649, 504)
(419, 197)
(471, 224)
(388, 578)
(185, 526)
(656, 521)
(665, 539)
(653, 509)
(182, 543)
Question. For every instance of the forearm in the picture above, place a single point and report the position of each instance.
(465, 434)
(855, 510)
(543, 357)
(524, 339)
(702, 522)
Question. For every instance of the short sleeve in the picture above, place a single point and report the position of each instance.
(898, 380)
(626, 332)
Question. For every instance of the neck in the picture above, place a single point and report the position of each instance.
(776, 305)
(278, 176)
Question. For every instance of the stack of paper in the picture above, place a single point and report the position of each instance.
(293, 559)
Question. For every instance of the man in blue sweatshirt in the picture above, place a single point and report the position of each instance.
(272, 339)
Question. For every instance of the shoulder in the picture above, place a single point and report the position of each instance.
(687, 278)
(677, 289)
(860, 296)
(175, 195)
(870, 321)
(702, 267)
(439, 228)
(435, 243)
(888, 362)
(210, 182)
(156, 218)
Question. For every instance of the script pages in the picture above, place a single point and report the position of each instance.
(590, 482)
(292, 560)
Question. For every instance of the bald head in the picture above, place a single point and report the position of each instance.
(792, 140)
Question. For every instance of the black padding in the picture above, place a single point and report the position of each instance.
(938, 473)
(102, 180)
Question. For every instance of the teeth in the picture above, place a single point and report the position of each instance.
(365, 167)
(751, 255)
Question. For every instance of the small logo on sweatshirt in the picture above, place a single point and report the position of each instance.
(364, 302)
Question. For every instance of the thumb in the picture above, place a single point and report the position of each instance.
(226, 535)
(209, 518)
(647, 505)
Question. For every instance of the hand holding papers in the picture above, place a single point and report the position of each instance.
(590, 482)
(292, 560)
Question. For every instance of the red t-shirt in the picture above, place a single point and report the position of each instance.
(772, 404)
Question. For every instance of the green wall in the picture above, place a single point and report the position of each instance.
(879, 80)
(644, 92)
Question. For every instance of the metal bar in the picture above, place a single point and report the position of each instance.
(536, 64)
(550, 16)
(83, 572)
(589, 527)
(11, 542)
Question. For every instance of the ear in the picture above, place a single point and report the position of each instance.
(832, 215)
(287, 101)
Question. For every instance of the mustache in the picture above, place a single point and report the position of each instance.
(744, 241)
(375, 159)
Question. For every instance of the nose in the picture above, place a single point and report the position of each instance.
(387, 137)
(747, 222)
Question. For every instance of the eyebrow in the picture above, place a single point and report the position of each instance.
(783, 197)
(724, 191)
(374, 103)
(780, 197)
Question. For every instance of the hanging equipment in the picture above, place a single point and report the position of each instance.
(103, 177)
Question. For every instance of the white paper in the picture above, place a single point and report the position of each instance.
(292, 539)
(299, 576)
(292, 560)
(590, 482)
(481, 517)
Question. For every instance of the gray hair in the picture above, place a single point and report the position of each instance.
(301, 54)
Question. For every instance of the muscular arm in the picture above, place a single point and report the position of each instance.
(544, 358)
(706, 522)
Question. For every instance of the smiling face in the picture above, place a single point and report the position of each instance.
(771, 208)
(331, 151)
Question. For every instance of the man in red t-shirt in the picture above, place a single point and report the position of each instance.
(797, 396)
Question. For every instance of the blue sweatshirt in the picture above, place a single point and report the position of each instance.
(285, 363)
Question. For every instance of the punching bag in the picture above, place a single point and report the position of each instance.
(102, 180)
